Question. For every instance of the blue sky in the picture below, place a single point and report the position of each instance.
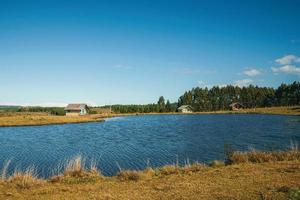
(108, 52)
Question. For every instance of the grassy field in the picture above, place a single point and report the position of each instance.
(29, 119)
(284, 110)
(294, 110)
(251, 175)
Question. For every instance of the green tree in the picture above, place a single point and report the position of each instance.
(161, 104)
(168, 106)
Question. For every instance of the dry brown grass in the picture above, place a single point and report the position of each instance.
(31, 119)
(129, 175)
(217, 163)
(25, 179)
(260, 157)
(75, 166)
(283, 110)
(270, 180)
(75, 171)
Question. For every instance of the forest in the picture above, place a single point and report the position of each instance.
(219, 98)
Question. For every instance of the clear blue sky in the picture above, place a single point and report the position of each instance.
(101, 52)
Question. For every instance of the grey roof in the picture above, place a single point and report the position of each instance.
(75, 106)
(185, 107)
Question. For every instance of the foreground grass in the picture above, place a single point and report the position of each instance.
(261, 177)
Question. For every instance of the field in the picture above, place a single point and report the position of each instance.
(27, 119)
(294, 110)
(260, 176)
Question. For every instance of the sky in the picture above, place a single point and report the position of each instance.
(131, 52)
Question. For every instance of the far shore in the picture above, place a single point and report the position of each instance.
(8, 119)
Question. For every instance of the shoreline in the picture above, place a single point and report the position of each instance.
(38, 119)
(43, 119)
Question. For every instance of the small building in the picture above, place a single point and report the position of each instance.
(185, 109)
(236, 106)
(76, 109)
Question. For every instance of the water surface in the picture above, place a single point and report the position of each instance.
(137, 141)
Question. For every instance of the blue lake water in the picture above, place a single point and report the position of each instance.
(137, 141)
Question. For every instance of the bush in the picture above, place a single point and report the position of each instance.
(129, 175)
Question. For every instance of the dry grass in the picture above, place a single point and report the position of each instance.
(129, 175)
(4, 170)
(282, 110)
(31, 119)
(74, 167)
(271, 180)
(75, 171)
(217, 163)
(25, 179)
(260, 157)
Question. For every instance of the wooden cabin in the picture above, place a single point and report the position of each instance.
(76, 109)
(236, 106)
(185, 109)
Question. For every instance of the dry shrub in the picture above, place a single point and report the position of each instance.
(25, 179)
(130, 175)
(74, 166)
(55, 179)
(217, 163)
(168, 169)
(260, 157)
(148, 173)
(195, 167)
(76, 172)
(238, 157)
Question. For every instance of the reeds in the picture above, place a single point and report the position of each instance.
(4, 169)
(25, 179)
(255, 156)
(76, 170)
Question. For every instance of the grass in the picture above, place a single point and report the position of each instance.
(255, 156)
(259, 178)
(31, 119)
(282, 110)
(25, 179)
(260, 157)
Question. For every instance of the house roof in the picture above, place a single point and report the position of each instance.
(185, 107)
(74, 106)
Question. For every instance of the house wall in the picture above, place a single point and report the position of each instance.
(184, 110)
(72, 113)
(77, 113)
(83, 112)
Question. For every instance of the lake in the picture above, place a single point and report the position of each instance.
(136, 142)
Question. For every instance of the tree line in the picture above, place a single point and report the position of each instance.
(160, 106)
(204, 99)
(219, 98)
(50, 110)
